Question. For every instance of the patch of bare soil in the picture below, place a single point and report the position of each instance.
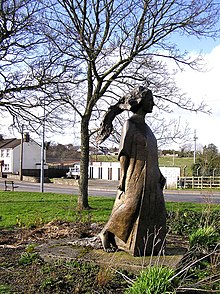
(24, 270)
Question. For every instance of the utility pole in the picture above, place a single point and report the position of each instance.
(21, 154)
(194, 154)
(173, 157)
(42, 151)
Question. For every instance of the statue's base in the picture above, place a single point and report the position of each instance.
(68, 250)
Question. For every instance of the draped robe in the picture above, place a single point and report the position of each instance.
(138, 218)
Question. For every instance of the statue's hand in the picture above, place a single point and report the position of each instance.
(121, 188)
(162, 181)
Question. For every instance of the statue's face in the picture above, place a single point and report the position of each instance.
(147, 102)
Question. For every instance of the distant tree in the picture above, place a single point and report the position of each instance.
(111, 45)
(61, 152)
(186, 150)
(211, 150)
(207, 162)
(168, 151)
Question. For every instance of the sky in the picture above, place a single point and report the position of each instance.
(198, 85)
(203, 86)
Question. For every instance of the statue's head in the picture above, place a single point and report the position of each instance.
(137, 98)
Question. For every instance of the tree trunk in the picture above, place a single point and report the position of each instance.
(84, 165)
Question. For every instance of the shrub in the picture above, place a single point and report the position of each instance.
(29, 256)
(185, 222)
(204, 238)
(155, 280)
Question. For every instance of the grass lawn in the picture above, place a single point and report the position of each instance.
(33, 208)
(177, 162)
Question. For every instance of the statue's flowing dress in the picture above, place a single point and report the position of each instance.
(138, 218)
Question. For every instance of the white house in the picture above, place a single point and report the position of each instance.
(111, 171)
(10, 155)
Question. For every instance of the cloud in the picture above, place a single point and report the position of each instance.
(204, 86)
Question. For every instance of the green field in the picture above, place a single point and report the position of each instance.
(163, 161)
(178, 162)
(31, 209)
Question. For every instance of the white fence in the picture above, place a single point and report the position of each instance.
(198, 182)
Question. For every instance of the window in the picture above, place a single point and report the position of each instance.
(2, 153)
(7, 152)
(91, 172)
(6, 167)
(109, 173)
(119, 173)
(100, 173)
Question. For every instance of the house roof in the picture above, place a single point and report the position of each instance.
(9, 143)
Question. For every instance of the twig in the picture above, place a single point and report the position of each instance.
(130, 281)
(195, 289)
(191, 264)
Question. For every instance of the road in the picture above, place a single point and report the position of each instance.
(108, 189)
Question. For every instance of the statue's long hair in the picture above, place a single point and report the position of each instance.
(131, 102)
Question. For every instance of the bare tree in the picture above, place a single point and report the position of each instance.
(17, 52)
(156, 75)
(110, 45)
(82, 53)
(29, 70)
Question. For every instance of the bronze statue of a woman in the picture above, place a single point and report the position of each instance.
(138, 220)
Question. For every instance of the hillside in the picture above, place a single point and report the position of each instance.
(178, 162)
(163, 161)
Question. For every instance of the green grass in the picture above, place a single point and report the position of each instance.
(154, 280)
(104, 158)
(163, 161)
(31, 209)
(5, 289)
(205, 238)
(195, 207)
(178, 162)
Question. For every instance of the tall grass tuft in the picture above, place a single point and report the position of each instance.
(154, 280)
(204, 239)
